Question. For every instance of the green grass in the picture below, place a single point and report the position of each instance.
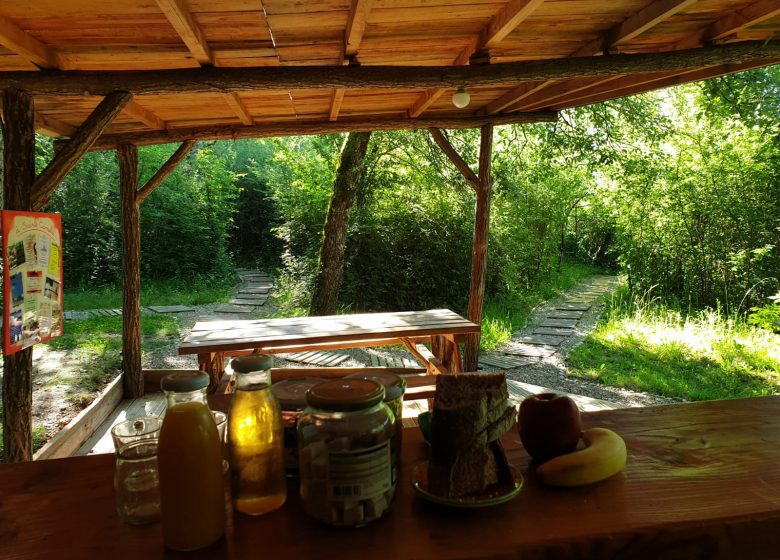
(646, 346)
(505, 315)
(174, 292)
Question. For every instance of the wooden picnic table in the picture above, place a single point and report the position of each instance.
(442, 328)
(702, 481)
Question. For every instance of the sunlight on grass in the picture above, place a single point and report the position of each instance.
(646, 346)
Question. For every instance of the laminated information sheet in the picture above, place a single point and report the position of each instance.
(32, 279)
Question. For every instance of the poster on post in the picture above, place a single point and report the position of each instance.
(32, 279)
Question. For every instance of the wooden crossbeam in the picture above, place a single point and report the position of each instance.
(224, 80)
(353, 36)
(137, 111)
(109, 142)
(181, 20)
(15, 39)
(238, 107)
(166, 169)
(454, 157)
(71, 152)
(335, 104)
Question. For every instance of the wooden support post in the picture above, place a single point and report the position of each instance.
(480, 246)
(133, 380)
(19, 174)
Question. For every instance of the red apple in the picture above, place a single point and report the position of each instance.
(549, 425)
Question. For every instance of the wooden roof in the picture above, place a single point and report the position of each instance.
(404, 49)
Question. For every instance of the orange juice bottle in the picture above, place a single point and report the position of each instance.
(189, 462)
(255, 439)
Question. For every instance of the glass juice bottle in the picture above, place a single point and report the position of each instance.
(189, 462)
(255, 439)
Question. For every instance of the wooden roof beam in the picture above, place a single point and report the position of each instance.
(72, 150)
(140, 113)
(15, 39)
(109, 142)
(733, 23)
(226, 80)
(513, 96)
(560, 89)
(353, 36)
(501, 25)
(181, 20)
(238, 107)
(52, 127)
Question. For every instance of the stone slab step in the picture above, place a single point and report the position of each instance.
(227, 308)
(260, 291)
(565, 323)
(171, 308)
(257, 285)
(505, 362)
(572, 307)
(318, 358)
(71, 315)
(542, 339)
(252, 297)
(247, 302)
(529, 350)
(558, 314)
(557, 331)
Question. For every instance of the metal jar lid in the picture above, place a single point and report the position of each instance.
(251, 362)
(291, 393)
(345, 394)
(184, 382)
(394, 385)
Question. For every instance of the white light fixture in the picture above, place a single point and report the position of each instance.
(461, 98)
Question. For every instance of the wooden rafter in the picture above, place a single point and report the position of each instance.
(224, 80)
(501, 25)
(181, 20)
(238, 107)
(353, 36)
(83, 138)
(109, 142)
(645, 19)
(138, 112)
(454, 157)
(53, 127)
(730, 25)
(167, 168)
(514, 96)
(559, 89)
(27, 46)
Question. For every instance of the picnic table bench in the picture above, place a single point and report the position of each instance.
(702, 481)
(443, 329)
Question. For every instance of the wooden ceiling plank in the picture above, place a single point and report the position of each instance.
(737, 21)
(181, 20)
(223, 80)
(15, 39)
(506, 21)
(238, 107)
(109, 142)
(140, 113)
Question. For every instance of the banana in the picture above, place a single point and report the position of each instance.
(604, 455)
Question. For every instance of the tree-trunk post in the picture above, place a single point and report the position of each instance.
(133, 380)
(19, 174)
(334, 239)
(480, 246)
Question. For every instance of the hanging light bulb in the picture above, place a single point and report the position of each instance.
(461, 98)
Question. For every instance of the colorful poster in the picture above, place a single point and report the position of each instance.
(32, 278)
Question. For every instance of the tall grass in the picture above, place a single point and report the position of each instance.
(646, 345)
(504, 315)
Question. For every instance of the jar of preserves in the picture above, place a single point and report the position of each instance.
(395, 387)
(255, 440)
(344, 443)
(189, 462)
(291, 394)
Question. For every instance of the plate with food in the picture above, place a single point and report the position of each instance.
(498, 493)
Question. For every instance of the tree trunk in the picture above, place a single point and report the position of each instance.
(133, 380)
(19, 174)
(331, 261)
(480, 247)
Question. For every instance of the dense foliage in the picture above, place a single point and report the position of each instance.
(679, 189)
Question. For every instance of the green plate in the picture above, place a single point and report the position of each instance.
(493, 496)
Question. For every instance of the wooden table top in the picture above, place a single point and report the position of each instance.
(702, 481)
(217, 336)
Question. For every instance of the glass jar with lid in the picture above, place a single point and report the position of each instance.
(344, 443)
(291, 394)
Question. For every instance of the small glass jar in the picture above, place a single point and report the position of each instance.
(344, 444)
(189, 460)
(291, 394)
(395, 387)
(136, 484)
(255, 439)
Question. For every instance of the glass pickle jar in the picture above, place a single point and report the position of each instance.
(291, 394)
(344, 446)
